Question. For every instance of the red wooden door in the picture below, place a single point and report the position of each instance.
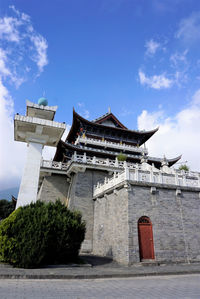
(145, 235)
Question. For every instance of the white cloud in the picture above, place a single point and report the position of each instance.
(176, 135)
(189, 28)
(151, 46)
(9, 29)
(11, 153)
(41, 47)
(4, 71)
(179, 58)
(82, 110)
(20, 43)
(156, 81)
(86, 114)
(18, 36)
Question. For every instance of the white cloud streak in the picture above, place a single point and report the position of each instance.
(177, 135)
(41, 49)
(189, 28)
(179, 58)
(156, 81)
(151, 47)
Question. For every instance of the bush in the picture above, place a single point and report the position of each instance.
(184, 167)
(121, 157)
(41, 233)
(6, 208)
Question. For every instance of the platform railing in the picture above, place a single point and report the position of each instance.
(114, 145)
(54, 165)
(153, 175)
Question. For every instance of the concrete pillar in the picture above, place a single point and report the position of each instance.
(29, 183)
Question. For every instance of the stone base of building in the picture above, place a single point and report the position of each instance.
(174, 221)
(113, 218)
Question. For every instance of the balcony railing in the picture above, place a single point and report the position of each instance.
(110, 144)
(176, 177)
(54, 165)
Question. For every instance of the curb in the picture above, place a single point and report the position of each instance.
(93, 276)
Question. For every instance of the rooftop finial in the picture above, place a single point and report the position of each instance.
(109, 110)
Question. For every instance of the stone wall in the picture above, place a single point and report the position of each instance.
(110, 236)
(175, 222)
(81, 198)
(54, 187)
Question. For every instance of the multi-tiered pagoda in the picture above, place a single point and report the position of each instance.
(106, 137)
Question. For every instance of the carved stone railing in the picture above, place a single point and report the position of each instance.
(140, 174)
(110, 144)
(54, 165)
(85, 160)
(101, 161)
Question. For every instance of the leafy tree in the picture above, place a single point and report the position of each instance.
(6, 208)
(41, 233)
(184, 167)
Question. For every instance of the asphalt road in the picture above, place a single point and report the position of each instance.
(174, 286)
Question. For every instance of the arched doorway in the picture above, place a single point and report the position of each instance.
(145, 235)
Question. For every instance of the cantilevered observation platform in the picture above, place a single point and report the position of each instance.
(37, 128)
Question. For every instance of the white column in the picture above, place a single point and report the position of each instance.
(84, 158)
(126, 173)
(29, 183)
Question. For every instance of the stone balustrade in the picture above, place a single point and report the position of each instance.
(54, 165)
(97, 161)
(141, 174)
(129, 171)
(110, 144)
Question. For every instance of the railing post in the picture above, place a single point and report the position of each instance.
(136, 173)
(116, 162)
(94, 160)
(60, 165)
(160, 177)
(184, 179)
(176, 178)
(127, 173)
(151, 175)
(107, 161)
(84, 158)
(75, 157)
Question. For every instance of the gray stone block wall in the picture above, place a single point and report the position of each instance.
(110, 236)
(112, 220)
(175, 222)
(54, 187)
(81, 198)
(164, 211)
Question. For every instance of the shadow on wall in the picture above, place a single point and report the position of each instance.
(95, 260)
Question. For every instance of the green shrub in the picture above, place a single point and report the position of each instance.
(6, 208)
(184, 167)
(121, 157)
(41, 233)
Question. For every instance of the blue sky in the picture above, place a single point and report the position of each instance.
(141, 58)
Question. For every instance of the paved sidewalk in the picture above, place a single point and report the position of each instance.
(97, 267)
